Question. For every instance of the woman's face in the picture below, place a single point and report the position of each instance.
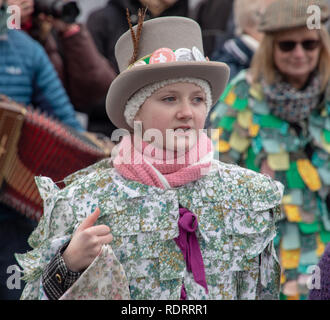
(177, 112)
(26, 6)
(296, 53)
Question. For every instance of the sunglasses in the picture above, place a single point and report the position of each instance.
(308, 45)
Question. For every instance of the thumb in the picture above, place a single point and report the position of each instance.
(90, 220)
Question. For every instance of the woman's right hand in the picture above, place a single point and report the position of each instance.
(86, 243)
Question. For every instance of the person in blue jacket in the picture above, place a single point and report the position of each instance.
(238, 51)
(28, 77)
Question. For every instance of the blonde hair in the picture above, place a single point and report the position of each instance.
(263, 65)
(247, 14)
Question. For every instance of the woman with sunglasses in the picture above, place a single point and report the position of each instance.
(274, 118)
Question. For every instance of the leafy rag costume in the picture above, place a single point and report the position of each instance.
(294, 153)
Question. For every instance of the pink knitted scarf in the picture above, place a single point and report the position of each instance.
(178, 170)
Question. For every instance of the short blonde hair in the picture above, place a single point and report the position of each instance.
(263, 65)
(247, 14)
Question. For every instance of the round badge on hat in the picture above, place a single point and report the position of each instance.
(197, 54)
(139, 63)
(162, 55)
(183, 54)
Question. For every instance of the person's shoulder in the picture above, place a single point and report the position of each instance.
(26, 47)
(237, 91)
(222, 52)
(92, 179)
(241, 77)
(235, 97)
(242, 203)
(77, 180)
(97, 167)
(102, 179)
(258, 191)
(21, 37)
(96, 14)
(108, 12)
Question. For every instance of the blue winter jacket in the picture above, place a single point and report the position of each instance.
(28, 76)
(235, 53)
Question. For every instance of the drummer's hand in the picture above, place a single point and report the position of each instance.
(86, 243)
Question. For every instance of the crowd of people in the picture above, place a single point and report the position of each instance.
(219, 185)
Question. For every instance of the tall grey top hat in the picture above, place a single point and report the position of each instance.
(169, 48)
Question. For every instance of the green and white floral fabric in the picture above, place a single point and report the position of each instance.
(237, 210)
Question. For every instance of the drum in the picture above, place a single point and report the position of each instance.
(33, 144)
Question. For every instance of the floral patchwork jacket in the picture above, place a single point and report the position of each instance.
(237, 211)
